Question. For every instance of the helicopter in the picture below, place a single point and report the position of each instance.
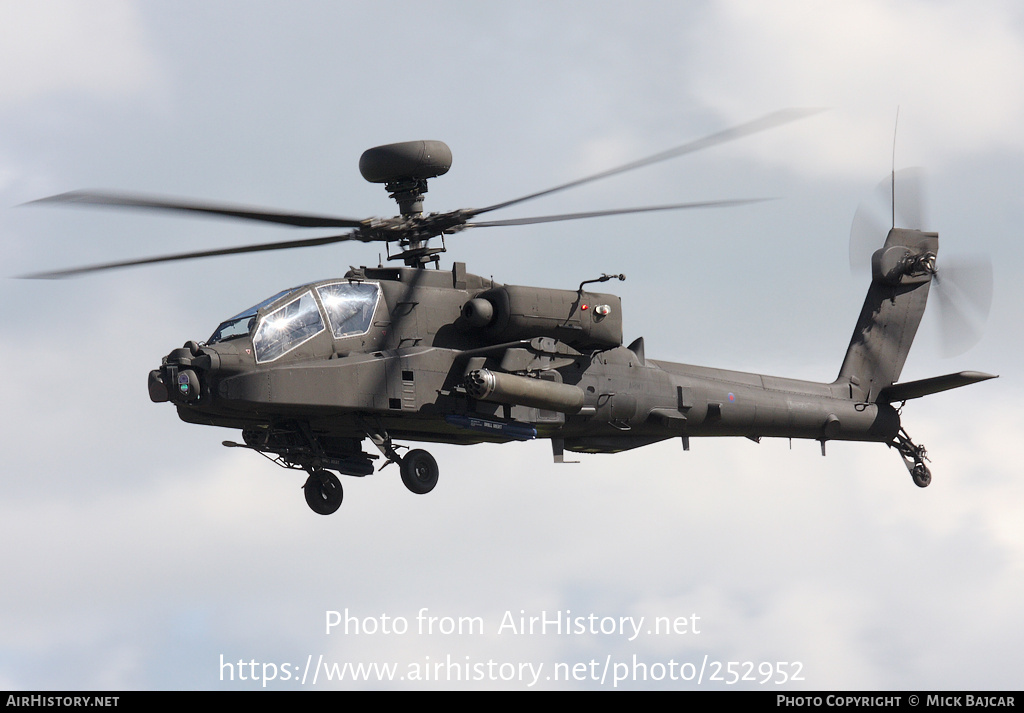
(418, 353)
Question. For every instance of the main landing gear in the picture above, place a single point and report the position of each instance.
(419, 469)
(324, 493)
(914, 457)
(323, 489)
(295, 446)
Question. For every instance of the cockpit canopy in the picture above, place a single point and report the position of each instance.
(242, 323)
(301, 314)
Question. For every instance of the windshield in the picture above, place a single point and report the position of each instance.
(287, 327)
(242, 323)
(349, 306)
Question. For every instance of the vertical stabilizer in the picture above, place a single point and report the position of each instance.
(901, 274)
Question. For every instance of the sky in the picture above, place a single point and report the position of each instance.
(140, 554)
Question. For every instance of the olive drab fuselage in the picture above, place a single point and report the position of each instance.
(420, 362)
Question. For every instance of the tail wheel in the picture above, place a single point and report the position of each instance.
(323, 492)
(419, 471)
(921, 475)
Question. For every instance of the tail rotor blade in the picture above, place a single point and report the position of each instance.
(875, 216)
(964, 291)
(911, 209)
(867, 233)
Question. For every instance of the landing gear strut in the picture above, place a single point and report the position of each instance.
(914, 457)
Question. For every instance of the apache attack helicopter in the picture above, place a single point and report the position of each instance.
(420, 354)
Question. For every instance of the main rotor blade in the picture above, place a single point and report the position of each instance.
(283, 245)
(621, 211)
(764, 123)
(127, 200)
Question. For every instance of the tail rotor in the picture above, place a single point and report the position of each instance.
(963, 283)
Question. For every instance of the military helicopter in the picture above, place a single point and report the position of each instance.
(417, 353)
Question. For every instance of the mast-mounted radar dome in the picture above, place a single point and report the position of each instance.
(404, 169)
(406, 160)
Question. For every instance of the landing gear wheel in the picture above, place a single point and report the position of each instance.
(323, 492)
(419, 471)
(914, 457)
(921, 475)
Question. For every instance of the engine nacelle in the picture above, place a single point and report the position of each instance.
(583, 320)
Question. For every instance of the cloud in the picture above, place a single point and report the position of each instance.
(953, 69)
(62, 45)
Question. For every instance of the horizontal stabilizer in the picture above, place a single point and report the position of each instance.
(924, 387)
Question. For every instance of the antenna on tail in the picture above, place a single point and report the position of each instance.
(894, 128)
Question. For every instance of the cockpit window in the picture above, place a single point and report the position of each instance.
(349, 306)
(241, 324)
(287, 327)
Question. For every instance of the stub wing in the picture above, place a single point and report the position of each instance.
(923, 387)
